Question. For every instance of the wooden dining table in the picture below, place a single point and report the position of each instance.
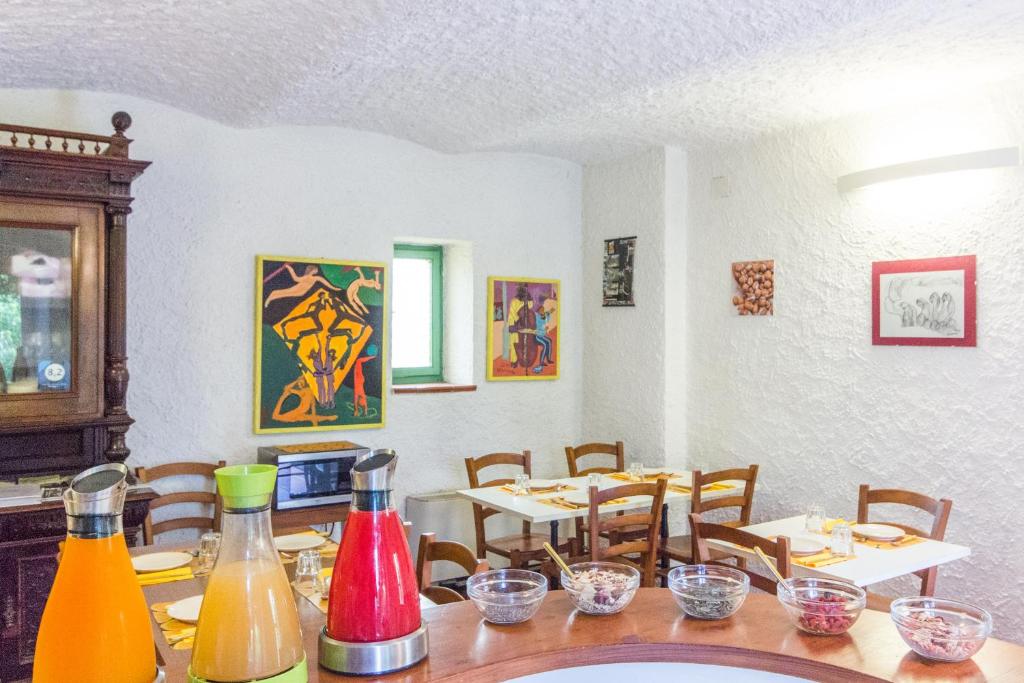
(760, 636)
(868, 565)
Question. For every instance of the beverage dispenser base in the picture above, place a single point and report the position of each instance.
(297, 674)
(367, 659)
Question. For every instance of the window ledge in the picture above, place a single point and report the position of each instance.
(431, 388)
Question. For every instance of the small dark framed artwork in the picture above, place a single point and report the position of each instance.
(924, 302)
(618, 271)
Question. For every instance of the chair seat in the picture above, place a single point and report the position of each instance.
(879, 602)
(524, 543)
(680, 549)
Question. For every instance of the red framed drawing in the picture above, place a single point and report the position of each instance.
(924, 302)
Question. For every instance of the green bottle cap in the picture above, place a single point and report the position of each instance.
(246, 486)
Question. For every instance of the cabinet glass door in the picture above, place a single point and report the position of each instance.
(36, 317)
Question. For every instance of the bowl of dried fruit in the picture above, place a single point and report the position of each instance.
(601, 587)
(946, 630)
(822, 606)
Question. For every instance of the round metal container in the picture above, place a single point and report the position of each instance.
(365, 659)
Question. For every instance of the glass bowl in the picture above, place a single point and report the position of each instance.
(601, 587)
(946, 630)
(507, 596)
(707, 591)
(822, 606)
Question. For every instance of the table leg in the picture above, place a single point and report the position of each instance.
(554, 582)
(664, 533)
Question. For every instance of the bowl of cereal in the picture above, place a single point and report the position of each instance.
(822, 606)
(601, 587)
(507, 596)
(944, 630)
(708, 591)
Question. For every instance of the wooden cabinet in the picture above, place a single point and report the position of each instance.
(65, 198)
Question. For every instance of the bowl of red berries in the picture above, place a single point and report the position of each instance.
(822, 606)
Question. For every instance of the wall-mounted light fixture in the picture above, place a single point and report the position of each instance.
(988, 158)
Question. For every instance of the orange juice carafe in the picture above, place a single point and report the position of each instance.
(96, 625)
(248, 627)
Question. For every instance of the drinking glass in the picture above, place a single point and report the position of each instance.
(636, 471)
(307, 571)
(209, 546)
(521, 485)
(842, 540)
(815, 522)
(594, 479)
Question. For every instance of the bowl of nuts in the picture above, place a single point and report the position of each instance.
(600, 587)
(822, 606)
(707, 591)
(945, 630)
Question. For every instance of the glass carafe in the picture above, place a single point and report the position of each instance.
(374, 595)
(95, 626)
(248, 627)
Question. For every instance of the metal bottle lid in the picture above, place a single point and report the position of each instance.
(375, 473)
(98, 491)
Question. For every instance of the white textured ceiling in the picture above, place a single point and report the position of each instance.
(572, 78)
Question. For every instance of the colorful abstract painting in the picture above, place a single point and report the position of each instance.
(320, 344)
(522, 334)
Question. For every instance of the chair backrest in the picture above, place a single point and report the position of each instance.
(744, 501)
(939, 509)
(574, 453)
(431, 551)
(147, 475)
(474, 466)
(646, 546)
(701, 532)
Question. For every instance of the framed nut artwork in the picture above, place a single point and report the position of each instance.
(755, 287)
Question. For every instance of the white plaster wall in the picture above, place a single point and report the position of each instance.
(623, 357)
(804, 393)
(216, 196)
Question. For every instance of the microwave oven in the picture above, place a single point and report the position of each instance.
(312, 474)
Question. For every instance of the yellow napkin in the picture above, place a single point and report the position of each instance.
(679, 488)
(167, 576)
(830, 523)
(654, 476)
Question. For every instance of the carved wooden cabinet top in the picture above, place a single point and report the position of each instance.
(79, 182)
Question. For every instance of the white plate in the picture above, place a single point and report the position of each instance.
(186, 610)
(804, 545)
(542, 484)
(296, 542)
(158, 562)
(878, 532)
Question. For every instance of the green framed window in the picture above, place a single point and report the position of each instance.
(417, 324)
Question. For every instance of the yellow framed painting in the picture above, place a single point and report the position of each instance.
(321, 345)
(523, 341)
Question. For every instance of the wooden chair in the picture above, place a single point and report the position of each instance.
(680, 548)
(938, 509)
(778, 549)
(619, 548)
(147, 475)
(572, 456)
(574, 453)
(520, 549)
(431, 551)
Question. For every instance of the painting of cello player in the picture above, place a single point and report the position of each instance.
(522, 332)
(320, 338)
